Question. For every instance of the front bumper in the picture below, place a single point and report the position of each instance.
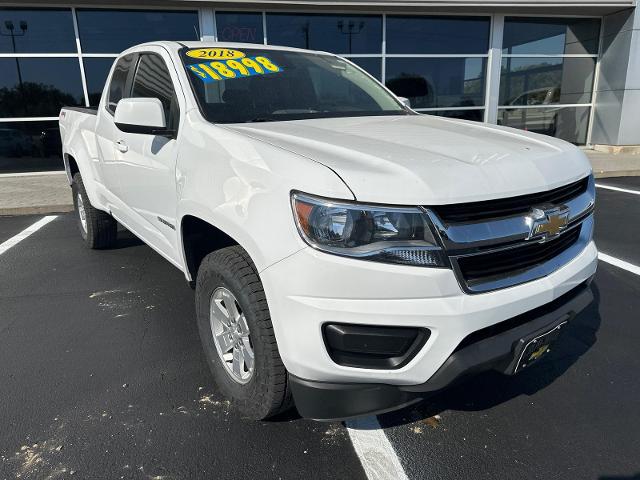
(488, 349)
(311, 289)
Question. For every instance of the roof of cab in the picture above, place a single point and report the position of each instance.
(176, 45)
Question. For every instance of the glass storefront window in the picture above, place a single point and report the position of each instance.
(30, 146)
(439, 35)
(39, 87)
(550, 36)
(343, 34)
(112, 31)
(96, 71)
(567, 123)
(370, 64)
(239, 27)
(36, 31)
(537, 79)
(542, 81)
(438, 82)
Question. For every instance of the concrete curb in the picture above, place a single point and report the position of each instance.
(48, 193)
(35, 210)
(613, 165)
(620, 173)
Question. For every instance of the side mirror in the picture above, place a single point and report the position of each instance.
(405, 101)
(141, 115)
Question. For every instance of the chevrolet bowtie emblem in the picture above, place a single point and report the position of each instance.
(547, 222)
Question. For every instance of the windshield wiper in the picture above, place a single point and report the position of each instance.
(258, 119)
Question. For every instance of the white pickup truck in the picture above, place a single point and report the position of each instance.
(347, 253)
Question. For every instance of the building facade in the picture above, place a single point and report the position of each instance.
(566, 69)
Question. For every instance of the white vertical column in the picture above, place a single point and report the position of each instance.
(264, 27)
(207, 25)
(494, 64)
(383, 69)
(594, 93)
(80, 61)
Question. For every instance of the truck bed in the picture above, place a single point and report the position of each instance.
(77, 131)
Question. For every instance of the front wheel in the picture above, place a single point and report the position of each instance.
(98, 228)
(237, 334)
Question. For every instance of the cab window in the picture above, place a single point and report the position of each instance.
(119, 82)
(152, 80)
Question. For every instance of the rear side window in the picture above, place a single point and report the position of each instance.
(152, 80)
(118, 85)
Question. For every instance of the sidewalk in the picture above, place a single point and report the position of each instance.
(35, 194)
(614, 165)
(50, 193)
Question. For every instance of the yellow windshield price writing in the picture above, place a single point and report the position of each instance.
(215, 53)
(237, 68)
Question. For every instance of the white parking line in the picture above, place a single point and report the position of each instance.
(377, 456)
(629, 267)
(617, 189)
(6, 245)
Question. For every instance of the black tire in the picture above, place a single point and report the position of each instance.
(101, 228)
(267, 391)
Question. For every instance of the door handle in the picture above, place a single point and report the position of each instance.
(120, 145)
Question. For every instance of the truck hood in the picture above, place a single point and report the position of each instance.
(426, 160)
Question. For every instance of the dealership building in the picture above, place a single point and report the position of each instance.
(569, 69)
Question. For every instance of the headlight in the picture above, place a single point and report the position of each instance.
(371, 232)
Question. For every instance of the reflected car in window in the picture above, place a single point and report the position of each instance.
(538, 96)
(14, 143)
(538, 120)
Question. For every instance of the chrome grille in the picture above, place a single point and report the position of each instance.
(485, 266)
(491, 249)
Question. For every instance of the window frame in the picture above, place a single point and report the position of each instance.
(136, 9)
(207, 30)
(72, 51)
(499, 56)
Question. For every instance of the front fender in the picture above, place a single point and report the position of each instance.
(242, 186)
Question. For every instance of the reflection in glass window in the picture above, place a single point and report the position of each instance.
(370, 64)
(119, 86)
(475, 115)
(551, 35)
(112, 31)
(39, 87)
(36, 31)
(96, 71)
(567, 123)
(152, 80)
(543, 81)
(457, 35)
(30, 146)
(239, 27)
(330, 33)
(437, 82)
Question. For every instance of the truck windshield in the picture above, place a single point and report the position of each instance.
(260, 85)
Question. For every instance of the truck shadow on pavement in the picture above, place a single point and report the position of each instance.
(126, 239)
(489, 389)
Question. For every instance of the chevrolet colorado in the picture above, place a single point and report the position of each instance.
(347, 253)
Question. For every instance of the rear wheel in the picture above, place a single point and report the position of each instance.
(237, 334)
(98, 228)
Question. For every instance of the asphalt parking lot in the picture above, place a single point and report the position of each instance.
(102, 376)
